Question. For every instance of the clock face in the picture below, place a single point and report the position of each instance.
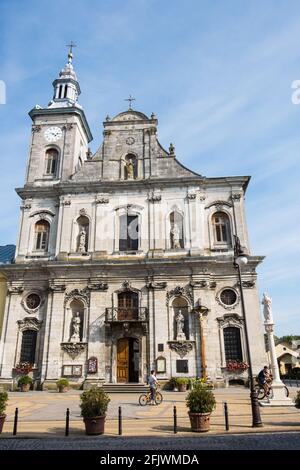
(52, 134)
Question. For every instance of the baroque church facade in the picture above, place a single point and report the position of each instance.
(124, 258)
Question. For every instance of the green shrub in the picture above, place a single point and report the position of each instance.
(200, 399)
(297, 400)
(3, 402)
(94, 402)
(62, 383)
(25, 380)
(182, 380)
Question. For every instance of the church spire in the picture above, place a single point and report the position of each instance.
(66, 86)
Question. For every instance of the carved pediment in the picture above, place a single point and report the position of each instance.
(29, 323)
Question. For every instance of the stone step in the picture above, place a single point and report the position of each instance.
(125, 388)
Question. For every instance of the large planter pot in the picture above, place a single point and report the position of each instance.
(63, 389)
(200, 422)
(2, 419)
(182, 388)
(25, 387)
(94, 426)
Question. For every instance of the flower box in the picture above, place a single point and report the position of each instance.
(236, 366)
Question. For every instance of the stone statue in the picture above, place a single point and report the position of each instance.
(75, 328)
(267, 302)
(175, 237)
(129, 169)
(82, 241)
(180, 326)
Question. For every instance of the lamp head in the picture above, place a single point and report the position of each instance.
(241, 260)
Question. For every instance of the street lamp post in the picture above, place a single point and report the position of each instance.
(241, 259)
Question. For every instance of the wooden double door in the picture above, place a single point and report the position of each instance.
(128, 355)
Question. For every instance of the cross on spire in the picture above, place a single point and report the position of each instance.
(130, 99)
(70, 54)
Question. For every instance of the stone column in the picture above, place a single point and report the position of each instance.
(279, 396)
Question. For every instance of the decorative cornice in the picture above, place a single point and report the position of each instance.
(199, 284)
(36, 128)
(73, 349)
(235, 197)
(29, 323)
(56, 287)
(156, 285)
(25, 206)
(154, 197)
(191, 195)
(182, 348)
(68, 127)
(101, 200)
(98, 286)
(15, 289)
(246, 284)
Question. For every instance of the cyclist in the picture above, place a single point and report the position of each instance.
(153, 383)
(264, 379)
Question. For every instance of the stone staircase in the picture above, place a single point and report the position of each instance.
(125, 388)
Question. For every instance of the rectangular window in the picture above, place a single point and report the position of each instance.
(160, 347)
(182, 366)
(28, 346)
(232, 344)
(129, 233)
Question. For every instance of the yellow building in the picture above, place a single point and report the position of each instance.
(287, 357)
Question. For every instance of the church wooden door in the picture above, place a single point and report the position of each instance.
(123, 360)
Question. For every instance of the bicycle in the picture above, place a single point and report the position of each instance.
(262, 393)
(145, 398)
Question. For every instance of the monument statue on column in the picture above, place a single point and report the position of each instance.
(279, 396)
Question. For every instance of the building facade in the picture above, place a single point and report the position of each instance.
(124, 258)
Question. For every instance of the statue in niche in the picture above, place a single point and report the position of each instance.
(82, 241)
(267, 302)
(175, 237)
(75, 328)
(180, 326)
(129, 166)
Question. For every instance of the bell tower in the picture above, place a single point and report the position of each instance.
(60, 132)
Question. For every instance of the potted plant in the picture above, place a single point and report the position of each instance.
(24, 383)
(201, 402)
(94, 403)
(3, 403)
(62, 385)
(181, 383)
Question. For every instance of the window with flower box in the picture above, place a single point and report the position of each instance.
(232, 344)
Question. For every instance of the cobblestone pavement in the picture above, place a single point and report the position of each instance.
(42, 415)
(266, 441)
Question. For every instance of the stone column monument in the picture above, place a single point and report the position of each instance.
(279, 395)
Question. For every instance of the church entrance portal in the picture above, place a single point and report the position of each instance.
(128, 352)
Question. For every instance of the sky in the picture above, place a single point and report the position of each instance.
(218, 75)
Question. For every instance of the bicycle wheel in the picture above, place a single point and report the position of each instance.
(158, 398)
(287, 392)
(143, 400)
(260, 392)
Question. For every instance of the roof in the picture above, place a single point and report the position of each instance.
(7, 254)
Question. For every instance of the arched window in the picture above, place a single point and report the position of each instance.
(128, 303)
(51, 162)
(221, 225)
(83, 234)
(131, 167)
(176, 230)
(28, 346)
(232, 344)
(129, 233)
(42, 229)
